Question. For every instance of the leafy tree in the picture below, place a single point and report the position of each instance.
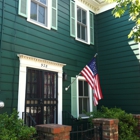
(133, 7)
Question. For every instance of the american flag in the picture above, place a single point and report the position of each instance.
(91, 75)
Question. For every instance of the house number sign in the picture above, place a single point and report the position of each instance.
(44, 65)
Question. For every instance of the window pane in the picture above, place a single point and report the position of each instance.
(41, 14)
(84, 17)
(33, 14)
(78, 30)
(83, 31)
(80, 106)
(85, 105)
(80, 88)
(43, 1)
(78, 14)
(85, 88)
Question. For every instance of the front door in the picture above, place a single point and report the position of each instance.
(41, 104)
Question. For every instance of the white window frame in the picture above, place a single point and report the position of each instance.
(38, 63)
(84, 7)
(49, 13)
(90, 97)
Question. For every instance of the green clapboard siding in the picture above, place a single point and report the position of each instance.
(118, 63)
(21, 36)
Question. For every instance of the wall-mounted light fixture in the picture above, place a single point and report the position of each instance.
(64, 76)
(1, 104)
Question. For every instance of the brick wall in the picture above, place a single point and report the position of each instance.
(137, 117)
(53, 132)
(109, 128)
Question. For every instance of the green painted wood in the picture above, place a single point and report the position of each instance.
(21, 36)
(91, 15)
(23, 10)
(118, 63)
(72, 18)
(54, 14)
(74, 98)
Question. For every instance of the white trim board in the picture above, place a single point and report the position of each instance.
(34, 62)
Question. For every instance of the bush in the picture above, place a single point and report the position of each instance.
(127, 123)
(12, 128)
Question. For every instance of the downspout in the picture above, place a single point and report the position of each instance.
(1, 38)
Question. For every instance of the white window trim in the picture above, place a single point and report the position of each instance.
(34, 62)
(90, 97)
(77, 3)
(48, 19)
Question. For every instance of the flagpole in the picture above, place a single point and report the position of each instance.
(76, 77)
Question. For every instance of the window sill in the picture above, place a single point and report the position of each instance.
(82, 41)
(41, 25)
(84, 117)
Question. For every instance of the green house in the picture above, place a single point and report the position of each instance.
(44, 45)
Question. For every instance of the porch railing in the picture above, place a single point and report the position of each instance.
(81, 129)
(28, 119)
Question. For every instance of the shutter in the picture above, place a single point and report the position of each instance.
(72, 18)
(74, 98)
(91, 28)
(54, 14)
(22, 9)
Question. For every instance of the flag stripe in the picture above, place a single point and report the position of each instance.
(91, 76)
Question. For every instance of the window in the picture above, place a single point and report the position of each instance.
(81, 23)
(81, 97)
(40, 12)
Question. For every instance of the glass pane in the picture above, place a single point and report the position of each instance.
(83, 31)
(33, 14)
(53, 3)
(41, 14)
(43, 1)
(85, 105)
(80, 105)
(55, 86)
(78, 14)
(84, 17)
(85, 88)
(80, 88)
(78, 30)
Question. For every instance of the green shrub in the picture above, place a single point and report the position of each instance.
(127, 124)
(12, 128)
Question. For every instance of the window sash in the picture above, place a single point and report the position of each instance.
(39, 5)
(81, 24)
(84, 101)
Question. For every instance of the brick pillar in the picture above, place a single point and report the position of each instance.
(53, 132)
(109, 128)
(137, 117)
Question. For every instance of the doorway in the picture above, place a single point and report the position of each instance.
(41, 99)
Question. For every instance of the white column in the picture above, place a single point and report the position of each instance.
(60, 98)
(21, 90)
